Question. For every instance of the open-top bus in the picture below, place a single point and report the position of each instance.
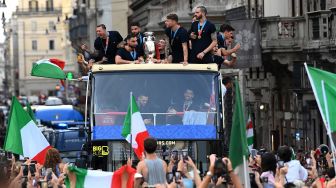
(181, 105)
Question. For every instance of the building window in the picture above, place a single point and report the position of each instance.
(33, 5)
(316, 28)
(34, 44)
(51, 45)
(33, 26)
(323, 4)
(52, 26)
(50, 5)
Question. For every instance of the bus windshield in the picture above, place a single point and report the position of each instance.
(173, 105)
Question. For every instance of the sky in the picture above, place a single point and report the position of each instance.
(11, 6)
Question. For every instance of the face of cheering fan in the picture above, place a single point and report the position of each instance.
(101, 32)
(135, 30)
(170, 23)
(162, 44)
(198, 14)
(132, 42)
(228, 34)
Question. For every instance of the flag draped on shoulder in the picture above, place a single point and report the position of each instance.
(315, 77)
(249, 133)
(97, 178)
(134, 129)
(23, 137)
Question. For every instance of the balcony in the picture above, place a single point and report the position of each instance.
(37, 11)
(280, 33)
(321, 30)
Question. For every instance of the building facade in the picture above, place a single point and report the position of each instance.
(37, 30)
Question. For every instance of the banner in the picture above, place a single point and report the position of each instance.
(247, 34)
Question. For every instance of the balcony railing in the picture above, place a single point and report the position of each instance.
(279, 32)
(40, 10)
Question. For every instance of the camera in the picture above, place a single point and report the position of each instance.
(32, 169)
(170, 177)
(281, 164)
(49, 174)
(220, 170)
(185, 155)
(174, 155)
(25, 170)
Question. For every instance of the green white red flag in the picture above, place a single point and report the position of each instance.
(97, 178)
(49, 68)
(316, 76)
(134, 129)
(23, 137)
(249, 133)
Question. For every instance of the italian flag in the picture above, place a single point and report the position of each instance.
(49, 68)
(249, 133)
(238, 150)
(96, 178)
(134, 129)
(316, 76)
(23, 137)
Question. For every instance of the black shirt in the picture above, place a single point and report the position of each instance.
(176, 41)
(140, 41)
(199, 45)
(221, 41)
(218, 60)
(109, 52)
(126, 55)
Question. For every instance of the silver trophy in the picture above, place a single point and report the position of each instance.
(149, 47)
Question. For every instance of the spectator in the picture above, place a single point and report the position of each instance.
(128, 54)
(268, 167)
(106, 44)
(295, 170)
(178, 39)
(152, 168)
(203, 37)
(226, 84)
(53, 160)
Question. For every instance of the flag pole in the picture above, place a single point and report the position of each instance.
(327, 123)
(131, 109)
(246, 181)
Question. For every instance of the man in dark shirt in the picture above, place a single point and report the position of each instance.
(128, 54)
(136, 31)
(225, 34)
(178, 39)
(106, 44)
(203, 37)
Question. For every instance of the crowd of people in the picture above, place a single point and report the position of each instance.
(281, 169)
(200, 44)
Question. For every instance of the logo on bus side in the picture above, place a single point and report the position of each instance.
(100, 151)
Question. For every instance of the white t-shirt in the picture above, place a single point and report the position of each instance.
(296, 171)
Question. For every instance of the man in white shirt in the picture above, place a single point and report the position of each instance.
(226, 84)
(295, 170)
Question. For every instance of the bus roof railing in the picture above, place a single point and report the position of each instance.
(155, 67)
